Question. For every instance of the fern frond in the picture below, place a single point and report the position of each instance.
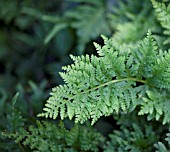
(98, 86)
(49, 137)
(163, 15)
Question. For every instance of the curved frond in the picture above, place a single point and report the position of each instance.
(98, 86)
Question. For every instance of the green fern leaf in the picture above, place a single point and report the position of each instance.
(98, 86)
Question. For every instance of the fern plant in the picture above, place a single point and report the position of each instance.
(128, 83)
(98, 86)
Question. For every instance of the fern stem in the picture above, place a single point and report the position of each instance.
(115, 81)
(108, 83)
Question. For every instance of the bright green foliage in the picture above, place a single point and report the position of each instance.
(163, 15)
(49, 137)
(161, 147)
(133, 139)
(97, 86)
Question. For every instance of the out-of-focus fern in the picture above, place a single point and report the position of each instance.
(98, 86)
(133, 139)
(88, 19)
(49, 137)
(163, 15)
(161, 147)
(134, 19)
(14, 118)
(89, 26)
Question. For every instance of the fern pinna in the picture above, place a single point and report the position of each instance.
(116, 81)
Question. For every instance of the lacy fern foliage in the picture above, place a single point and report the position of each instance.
(156, 105)
(98, 86)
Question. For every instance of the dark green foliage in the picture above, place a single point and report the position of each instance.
(14, 122)
(49, 137)
(132, 139)
(15, 119)
(89, 20)
(161, 147)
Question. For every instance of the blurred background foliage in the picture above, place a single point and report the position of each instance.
(37, 36)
